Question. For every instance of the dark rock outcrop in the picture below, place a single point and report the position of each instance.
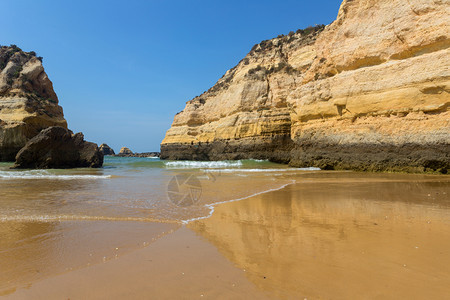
(275, 148)
(58, 147)
(143, 154)
(373, 157)
(106, 150)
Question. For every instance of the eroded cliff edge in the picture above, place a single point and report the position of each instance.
(28, 102)
(368, 92)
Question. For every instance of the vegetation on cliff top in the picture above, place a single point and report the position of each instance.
(300, 33)
(306, 34)
(7, 52)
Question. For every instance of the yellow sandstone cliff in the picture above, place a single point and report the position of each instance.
(368, 92)
(28, 103)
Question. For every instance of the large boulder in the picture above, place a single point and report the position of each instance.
(106, 150)
(58, 148)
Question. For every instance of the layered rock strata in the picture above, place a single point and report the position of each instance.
(28, 102)
(368, 92)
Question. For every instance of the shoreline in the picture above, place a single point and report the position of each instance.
(213, 205)
(208, 256)
(334, 158)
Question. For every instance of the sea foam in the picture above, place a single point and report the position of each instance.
(262, 170)
(184, 164)
(211, 206)
(43, 174)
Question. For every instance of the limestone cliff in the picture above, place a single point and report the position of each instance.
(368, 92)
(28, 103)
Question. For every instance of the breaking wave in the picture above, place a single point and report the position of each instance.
(262, 170)
(202, 164)
(59, 218)
(43, 174)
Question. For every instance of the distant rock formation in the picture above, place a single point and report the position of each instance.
(58, 147)
(147, 154)
(125, 151)
(106, 150)
(368, 92)
(28, 103)
(143, 154)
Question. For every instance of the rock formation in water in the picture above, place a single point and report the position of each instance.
(58, 147)
(125, 151)
(28, 103)
(106, 150)
(368, 92)
(143, 154)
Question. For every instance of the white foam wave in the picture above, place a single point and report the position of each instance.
(202, 164)
(61, 218)
(212, 205)
(42, 174)
(261, 170)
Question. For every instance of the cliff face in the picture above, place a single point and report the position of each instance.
(246, 114)
(28, 103)
(368, 92)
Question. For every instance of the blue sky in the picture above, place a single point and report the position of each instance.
(123, 69)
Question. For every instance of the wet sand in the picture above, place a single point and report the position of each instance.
(33, 251)
(338, 235)
(357, 238)
(179, 266)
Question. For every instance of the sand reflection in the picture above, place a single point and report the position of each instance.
(355, 235)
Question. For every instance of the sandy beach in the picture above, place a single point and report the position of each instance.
(225, 150)
(336, 235)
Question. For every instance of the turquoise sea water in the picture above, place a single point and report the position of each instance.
(140, 189)
(56, 221)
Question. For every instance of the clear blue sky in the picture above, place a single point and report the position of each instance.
(123, 69)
